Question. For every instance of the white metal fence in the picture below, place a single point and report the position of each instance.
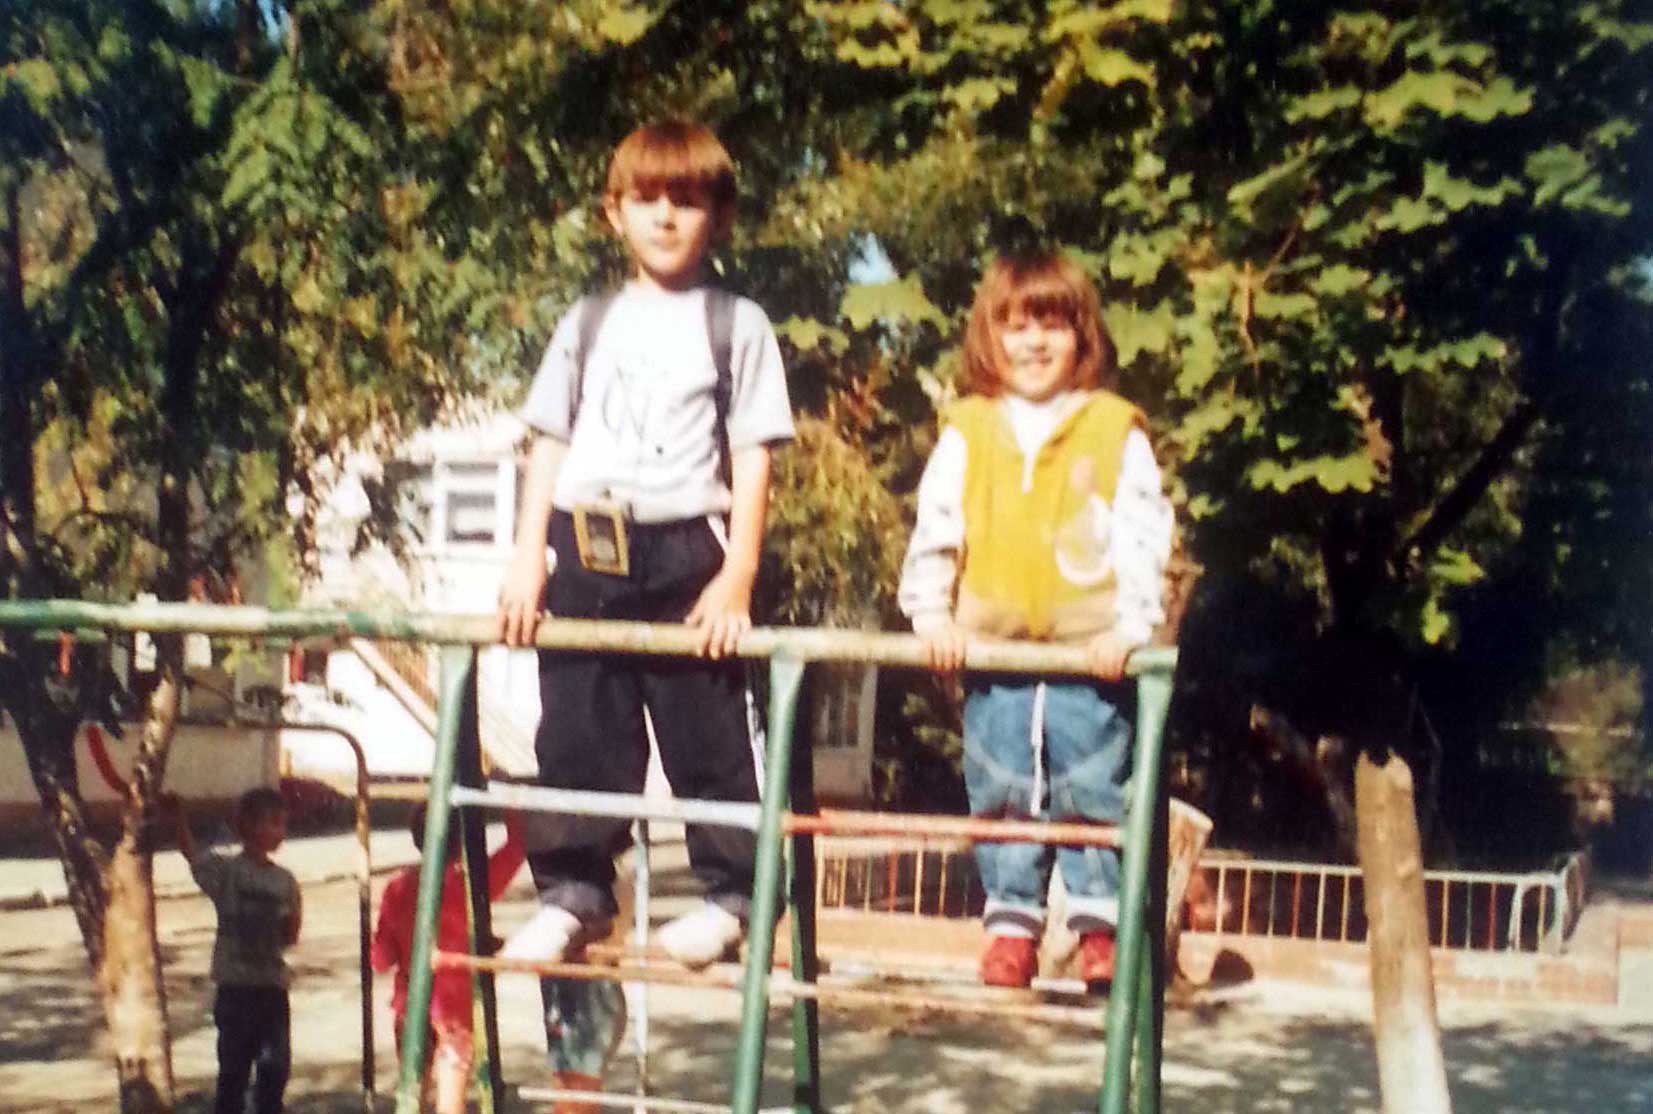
(1469, 910)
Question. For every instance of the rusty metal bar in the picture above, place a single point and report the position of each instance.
(841, 822)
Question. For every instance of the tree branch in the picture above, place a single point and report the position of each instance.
(1470, 487)
(1323, 763)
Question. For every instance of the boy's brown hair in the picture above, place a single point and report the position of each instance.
(1040, 285)
(256, 804)
(673, 157)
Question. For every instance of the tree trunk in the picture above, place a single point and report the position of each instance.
(134, 996)
(130, 977)
(1411, 1070)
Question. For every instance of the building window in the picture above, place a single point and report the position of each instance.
(458, 503)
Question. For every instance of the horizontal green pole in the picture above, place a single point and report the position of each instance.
(803, 643)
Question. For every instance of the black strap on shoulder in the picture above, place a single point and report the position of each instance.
(592, 309)
(720, 329)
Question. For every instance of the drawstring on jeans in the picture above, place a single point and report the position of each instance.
(1037, 740)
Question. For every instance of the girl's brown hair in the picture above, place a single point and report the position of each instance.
(1045, 284)
(673, 157)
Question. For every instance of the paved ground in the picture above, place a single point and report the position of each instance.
(1260, 1049)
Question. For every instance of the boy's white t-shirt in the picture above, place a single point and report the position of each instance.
(646, 436)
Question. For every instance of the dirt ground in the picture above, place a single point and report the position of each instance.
(1257, 1049)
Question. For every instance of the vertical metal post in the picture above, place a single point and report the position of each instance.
(1150, 1027)
(637, 993)
(806, 1016)
(785, 678)
(457, 665)
(474, 830)
(1153, 700)
(364, 921)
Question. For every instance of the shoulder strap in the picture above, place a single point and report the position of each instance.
(720, 330)
(592, 309)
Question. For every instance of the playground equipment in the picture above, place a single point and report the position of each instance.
(1133, 1018)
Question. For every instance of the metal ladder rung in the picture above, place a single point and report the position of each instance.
(624, 806)
(621, 1101)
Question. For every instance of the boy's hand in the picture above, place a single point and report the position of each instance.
(1106, 654)
(519, 599)
(722, 613)
(943, 643)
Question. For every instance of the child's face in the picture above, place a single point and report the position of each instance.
(264, 832)
(1039, 355)
(667, 232)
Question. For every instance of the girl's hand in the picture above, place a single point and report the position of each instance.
(519, 598)
(1106, 654)
(722, 614)
(943, 644)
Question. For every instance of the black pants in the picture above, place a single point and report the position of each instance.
(253, 1031)
(592, 735)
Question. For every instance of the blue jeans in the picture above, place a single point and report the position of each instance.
(1055, 750)
(583, 1023)
(253, 1044)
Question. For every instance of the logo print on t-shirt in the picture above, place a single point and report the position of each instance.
(628, 396)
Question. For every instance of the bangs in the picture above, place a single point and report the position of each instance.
(1036, 289)
(673, 158)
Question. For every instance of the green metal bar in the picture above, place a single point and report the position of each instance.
(785, 678)
(806, 965)
(458, 663)
(1150, 1029)
(602, 636)
(1153, 699)
(479, 912)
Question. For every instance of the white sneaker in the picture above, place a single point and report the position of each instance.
(702, 937)
(545, 938)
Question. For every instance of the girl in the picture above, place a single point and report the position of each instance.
(1040, 516)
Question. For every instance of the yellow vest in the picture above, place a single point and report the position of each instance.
(1038, 559)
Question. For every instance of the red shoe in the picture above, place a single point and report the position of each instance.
(1010, 961)
(1096, 950)
(575, 1081)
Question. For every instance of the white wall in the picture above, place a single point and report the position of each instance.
(205, 763)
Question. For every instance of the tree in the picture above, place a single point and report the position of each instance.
(212, 282)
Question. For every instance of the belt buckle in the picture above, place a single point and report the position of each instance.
(600, 537)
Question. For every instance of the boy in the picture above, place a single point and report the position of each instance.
(259, 915)
(451, 1047)
(649, 476)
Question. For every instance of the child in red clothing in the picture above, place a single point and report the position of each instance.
(452, 1049)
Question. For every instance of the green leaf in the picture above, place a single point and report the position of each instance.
(626, 24)
(38, 80)
(1408, 214)
(978, 94)
(1111, 66)
(1319, 105)
(1135, 331)
(1282, 174)
(1335, 474)
(1554, 169)
(1455, 567)
(901, 300)
(1466, 352)
(1435, 624)
(1459, 193)
(1270, 305)
(806, 333)
(1339, 279)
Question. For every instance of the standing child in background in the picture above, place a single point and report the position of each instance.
(1040, 516)
(653, 412)
(259, 915)
(450, 1045)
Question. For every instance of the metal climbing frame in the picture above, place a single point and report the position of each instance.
(1133, 1017)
